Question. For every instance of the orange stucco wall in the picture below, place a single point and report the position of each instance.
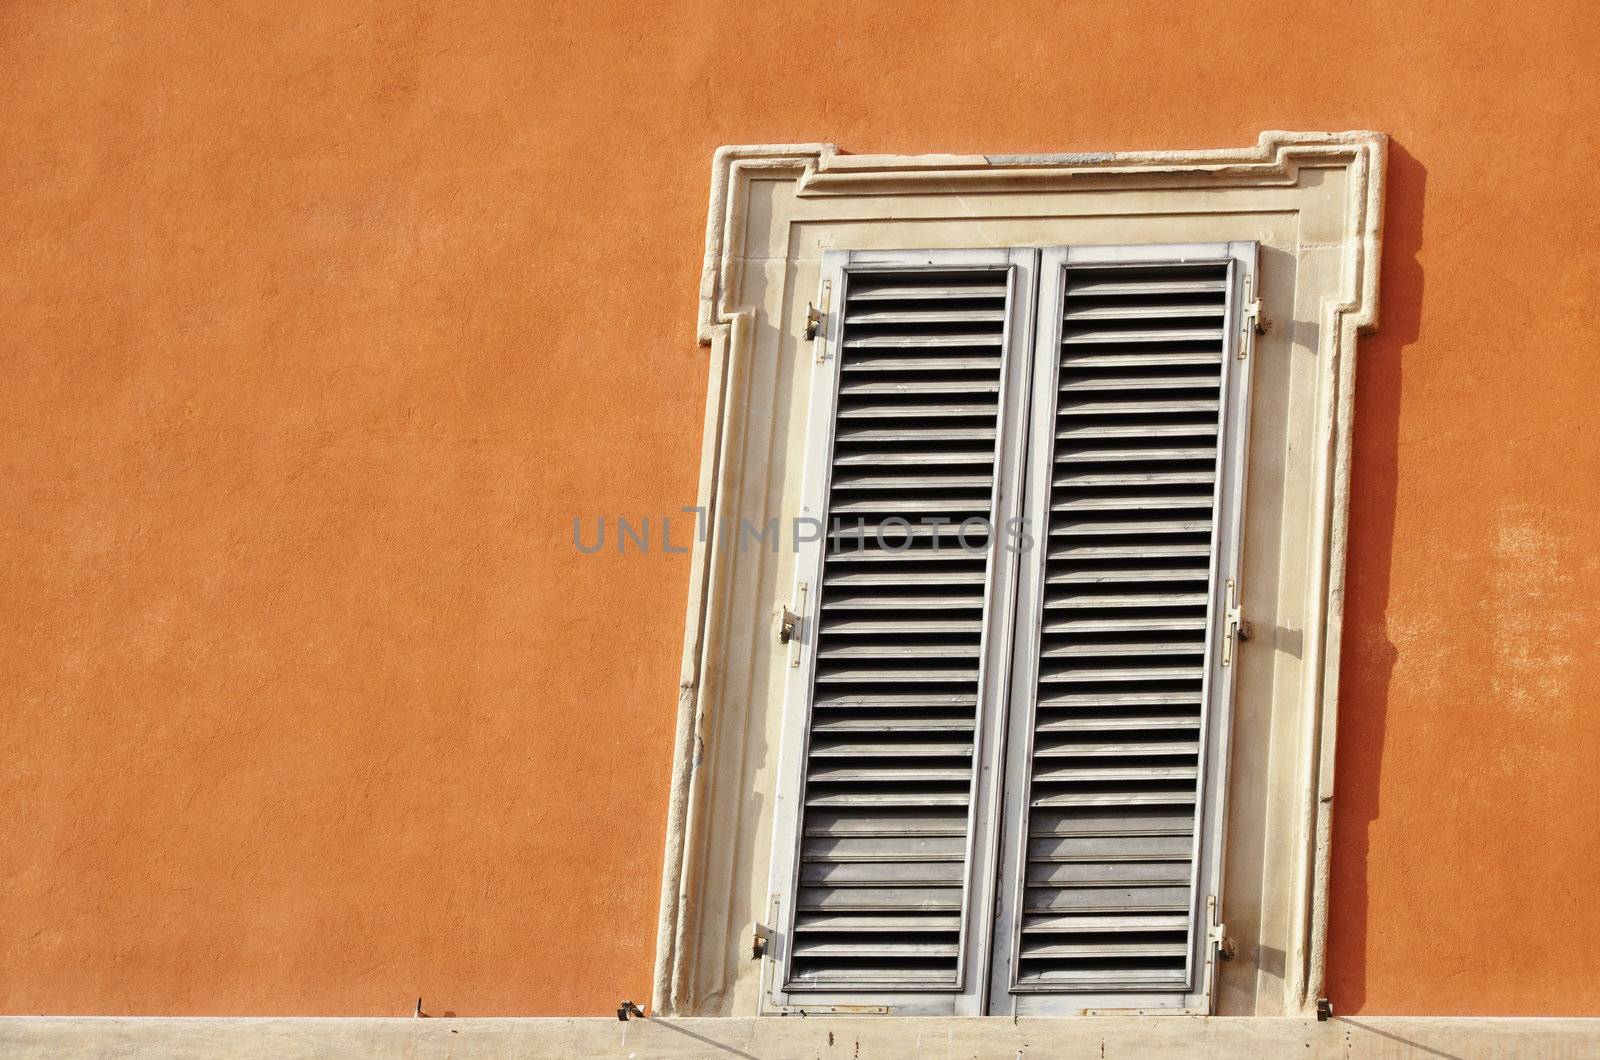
(321, 322)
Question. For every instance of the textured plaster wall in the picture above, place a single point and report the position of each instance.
(321, 322)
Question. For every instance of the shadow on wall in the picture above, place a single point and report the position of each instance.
(1368, 656)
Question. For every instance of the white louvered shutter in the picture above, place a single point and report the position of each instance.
(1120, 702)
(1002, 770)
(883, 859)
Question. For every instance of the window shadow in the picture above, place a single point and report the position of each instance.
(1368, 656)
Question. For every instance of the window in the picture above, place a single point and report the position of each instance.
(1009, 667)
(1296, 218)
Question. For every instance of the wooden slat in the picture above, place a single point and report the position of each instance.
(1133, 383)
(1046, 923)
(1082, 454)
(1148, 288)
(1101, 900)
(1103, 336)
(1111, 848)
(879, 899)
(1152, 407)
(878, 848)
(928, 340)
(879, 749)
(961, 412)
(869, 923)
(904, 363)
(1153, 310)
(1080, 359)
(868, 800)
(927, 315)
(911, 290)
(876, 947)
(1115, 749)
(1103, 950)
(926, 388)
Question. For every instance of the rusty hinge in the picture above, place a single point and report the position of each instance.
(817, 319)
(813, 321)
(789, 624)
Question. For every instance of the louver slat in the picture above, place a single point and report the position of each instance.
(886, 804)
(1110, 839)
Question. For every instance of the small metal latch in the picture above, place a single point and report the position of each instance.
(788, 622)
(813, 321)
(1234, 627)
(758, 941)
(627, 1009)
(1324, 1010)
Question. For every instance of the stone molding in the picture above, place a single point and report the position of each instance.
(816, 172)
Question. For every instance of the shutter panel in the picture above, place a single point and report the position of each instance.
(884, 828)
(1113, 841)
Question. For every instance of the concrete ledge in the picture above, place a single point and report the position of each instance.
(812, 1038)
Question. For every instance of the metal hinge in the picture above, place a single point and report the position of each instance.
(1234, 628)
(813, 321)
(1217, 931)
(789, 624)
(1254, 323)
(816, 320)
(1218, 947)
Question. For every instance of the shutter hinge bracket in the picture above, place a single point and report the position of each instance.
(1217, 932)
(816, 319)
(789, 624)
(1218, 947)
(813, 321)
(1254, 323)
(1235, 629)
(760, 935)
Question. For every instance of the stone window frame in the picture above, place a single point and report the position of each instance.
(1314, 202)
